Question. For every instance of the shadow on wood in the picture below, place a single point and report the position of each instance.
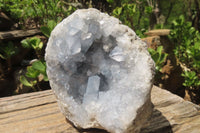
(157, 124)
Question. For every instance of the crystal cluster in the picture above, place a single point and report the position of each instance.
(100, 72)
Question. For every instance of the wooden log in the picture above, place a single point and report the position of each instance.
(10, 35)
(38, 112)
(159, 32)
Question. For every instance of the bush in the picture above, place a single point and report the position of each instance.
(40, 11)
(187, 50)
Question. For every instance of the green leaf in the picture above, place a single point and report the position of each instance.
(70, 8)
(46, 31)
(34, 82)
(40, 45)
(25, 43)
(182, 19)
(151, 50)
(192, 30)
(38, 65)
(192, 74)
(134, 8)
(188, 24)
(155, 57)
(198, 83)
(163, 57)
(25, 82)
(31, 72)
(197, 45)
(184, 84)
(8, 50)
(148, 9)
(51, 24)
(35, 42)
(159, 50)
(110, 1)
(45, 78)
(2, 56)
(153, 53)
(174, 22)
(117, 11)
(158, 57)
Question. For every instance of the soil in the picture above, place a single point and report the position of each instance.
(5, 22)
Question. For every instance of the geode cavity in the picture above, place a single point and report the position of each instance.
(100, 72)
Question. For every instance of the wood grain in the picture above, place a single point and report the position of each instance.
(38, 112)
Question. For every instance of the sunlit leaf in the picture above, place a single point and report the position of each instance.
(45, 78)
(38, 65)
(25, 43)
(35, 42)
(51, 24)
(45, 30)
(40, 45)
(134, 8)
(110, 1)
(25, 82)
(148, 9)
(159, 49)
(31, 72)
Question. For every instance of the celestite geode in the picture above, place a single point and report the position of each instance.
(100, 72)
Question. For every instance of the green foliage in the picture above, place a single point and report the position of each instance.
(33, 42)
(159, 57)
(25, 82)
(187, 49)
(38, 68)
(110, 1)
(141, 32)
(8, 50)
(34, 71)
(46, 30)
(39, 10)
(132, 14)
(191, 79)
(31, 72)
(148, 9)
(159, 26)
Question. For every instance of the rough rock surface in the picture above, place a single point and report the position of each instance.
(100, 72)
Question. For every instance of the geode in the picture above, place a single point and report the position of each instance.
(100, 72)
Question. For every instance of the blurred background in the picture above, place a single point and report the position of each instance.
(169, 27)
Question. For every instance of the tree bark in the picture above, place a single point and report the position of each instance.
(170, 10)
(197, 17)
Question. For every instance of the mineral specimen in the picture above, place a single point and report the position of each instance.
(100, 72)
